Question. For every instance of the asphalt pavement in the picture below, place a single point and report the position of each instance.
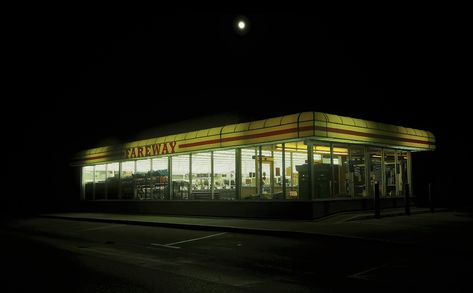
(393, 226)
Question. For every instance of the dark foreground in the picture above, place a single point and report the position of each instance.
(54, 255)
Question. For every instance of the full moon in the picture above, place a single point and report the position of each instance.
(241, 24)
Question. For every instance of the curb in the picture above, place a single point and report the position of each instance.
(370, 217)
(233, 229)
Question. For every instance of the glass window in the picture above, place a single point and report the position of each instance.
(375, 170)
(296, 158)
(358, 169)
(180, 177)
(160, 177)
(322, 170)
(88, 182)
(100, 177)
(390, 172)
(248, 173)
(277, 173)
(201, 176)
(402, 171)
(224, 174)
(127, 180)
(267, 164)
(112, 180)
(342, 180)
(142, 179)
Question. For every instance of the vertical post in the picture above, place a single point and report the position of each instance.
(93, 186)
(431, 201)
(310, 168)
(119, 180)
(377, 213)
(409, 172)
(351, 172)
(189, 189)
(332, 180)
(170, 187)
(396, 174)
(106, 181)
(260, 169)
(292, 174)
(212, 189)
(407, 200)
(135, 193)
(283, 171)
(383, 174)
(368, 190)
(82, 185)
(271, 175)
(238, 173)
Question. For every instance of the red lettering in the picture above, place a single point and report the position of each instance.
(140, 151)
(148, 150)
(165, 149)
(156, 148)
(173, 145)
(132, 153)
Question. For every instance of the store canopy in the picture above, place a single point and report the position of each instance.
(306, 125)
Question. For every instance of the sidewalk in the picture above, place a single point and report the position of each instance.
(393, 226)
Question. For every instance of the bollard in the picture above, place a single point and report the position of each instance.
(407, 200)
(377, 213)
(431, 202)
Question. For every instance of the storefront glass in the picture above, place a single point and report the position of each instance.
(342, 178)
(201, 176)
(142, 179)
(375, 170)
(296, 170)
(100, 176)
(390, 172)
(88, 182)
(402, 172)
(112, 180)
(159, 178)
(127, 180)
(180, 177)
(322, 171)
(224, 174)
(357, 166)
(248, 173)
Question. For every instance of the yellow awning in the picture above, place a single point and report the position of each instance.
(312, 125)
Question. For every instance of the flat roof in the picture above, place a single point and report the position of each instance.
(305, 125)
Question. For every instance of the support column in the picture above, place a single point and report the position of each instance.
(310, 169)
(212, 174)
(368, 189)
(332, 184)
(170, 191)
(260, 170)
(383, 174)
(238, 173)
(283, 171)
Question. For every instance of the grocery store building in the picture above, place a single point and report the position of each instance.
(304, 165)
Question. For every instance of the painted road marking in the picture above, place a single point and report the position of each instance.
(360, 276)
(164, 245)
(172, 245)
(102, 227)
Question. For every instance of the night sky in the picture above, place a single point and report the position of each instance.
(109, 76)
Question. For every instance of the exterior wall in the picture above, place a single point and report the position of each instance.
(303, 210)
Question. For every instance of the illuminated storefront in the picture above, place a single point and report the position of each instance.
(306, 157)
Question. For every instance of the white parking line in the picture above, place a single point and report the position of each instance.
(102, 227)
(360, 276)
(171, 245)
(164, 245)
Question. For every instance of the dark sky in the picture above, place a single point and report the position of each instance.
(119, 73)
(107, 76)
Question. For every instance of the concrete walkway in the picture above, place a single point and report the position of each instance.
(394, 226)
